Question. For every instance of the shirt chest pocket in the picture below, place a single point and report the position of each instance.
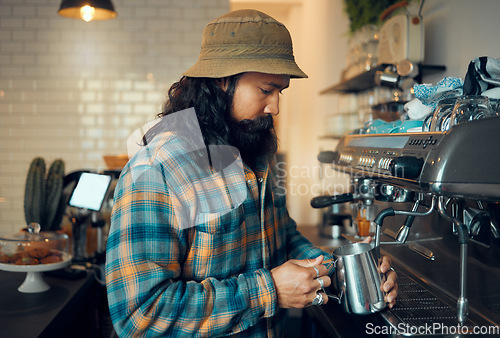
(221, 222)
(219, 245)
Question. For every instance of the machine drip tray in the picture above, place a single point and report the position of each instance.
(418, 307)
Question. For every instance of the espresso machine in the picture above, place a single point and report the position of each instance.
(438, 202)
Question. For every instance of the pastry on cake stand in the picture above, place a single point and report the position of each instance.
(34, 252)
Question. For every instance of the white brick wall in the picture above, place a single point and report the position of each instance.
(75, 90)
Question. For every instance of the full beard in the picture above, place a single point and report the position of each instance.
(254, 138)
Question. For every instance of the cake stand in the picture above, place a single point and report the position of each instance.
(34, 281)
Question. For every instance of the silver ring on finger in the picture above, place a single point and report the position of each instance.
(317, 271)
(321, 283)
(318, 300)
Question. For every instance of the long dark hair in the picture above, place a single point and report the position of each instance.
(213, 106)
(211, 103)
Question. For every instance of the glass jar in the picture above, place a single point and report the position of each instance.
(469, 108)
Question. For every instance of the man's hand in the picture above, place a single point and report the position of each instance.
(296, 284)
(390, 286)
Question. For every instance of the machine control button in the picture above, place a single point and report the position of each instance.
(385, 163)
(346, 158)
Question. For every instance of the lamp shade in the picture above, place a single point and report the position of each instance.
(87, 10)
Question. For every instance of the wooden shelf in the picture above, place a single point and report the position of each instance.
(330, 137)
(365, 81)
(356, 84)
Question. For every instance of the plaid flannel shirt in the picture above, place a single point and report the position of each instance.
(210, 279)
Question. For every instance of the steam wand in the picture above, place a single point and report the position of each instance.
(405, 229)
(379, 219)
(463, 240)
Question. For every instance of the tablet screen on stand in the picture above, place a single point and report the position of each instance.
(90, 191)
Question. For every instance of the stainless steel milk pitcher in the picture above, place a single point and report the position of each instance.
(358, 279)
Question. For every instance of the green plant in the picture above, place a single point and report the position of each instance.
(43, 197)
(53, 192)
(365, 12)
(34, 194)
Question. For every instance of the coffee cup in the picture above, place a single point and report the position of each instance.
(408, 126)
(373, 126)
(379, 126)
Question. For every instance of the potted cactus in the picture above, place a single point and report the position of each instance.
(43, 198)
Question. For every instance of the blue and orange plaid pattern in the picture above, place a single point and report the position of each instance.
(209, 279)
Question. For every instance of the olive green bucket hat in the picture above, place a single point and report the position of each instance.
(245, 41)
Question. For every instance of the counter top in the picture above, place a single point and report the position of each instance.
(44, 314)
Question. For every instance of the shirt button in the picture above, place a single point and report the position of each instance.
(261, 179)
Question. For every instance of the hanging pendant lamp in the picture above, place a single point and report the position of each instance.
(87, 10)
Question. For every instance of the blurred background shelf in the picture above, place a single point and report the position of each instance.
(366, 80)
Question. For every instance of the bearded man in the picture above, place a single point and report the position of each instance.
(201, 242)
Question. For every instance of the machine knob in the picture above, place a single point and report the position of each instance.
(406, 167)
(328, 157)
(327, 200)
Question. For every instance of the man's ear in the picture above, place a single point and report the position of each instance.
(222, 83)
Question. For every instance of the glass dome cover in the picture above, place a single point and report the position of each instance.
(33, 247)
